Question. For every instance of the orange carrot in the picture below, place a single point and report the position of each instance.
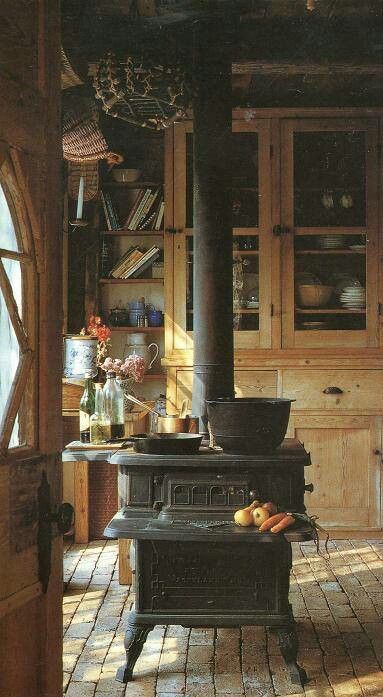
(284, 523)
(273, 520)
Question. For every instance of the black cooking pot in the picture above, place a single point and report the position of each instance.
(166, 443)
(249, 425)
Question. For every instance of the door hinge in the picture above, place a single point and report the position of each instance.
(271, 310)
(271, 151)
(380, 309)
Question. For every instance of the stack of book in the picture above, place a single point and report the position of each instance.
(111, 216)
(147, 211)
(134, 262)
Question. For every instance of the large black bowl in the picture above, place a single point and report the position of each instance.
(249, 425)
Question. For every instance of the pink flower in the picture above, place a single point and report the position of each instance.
(132, 367)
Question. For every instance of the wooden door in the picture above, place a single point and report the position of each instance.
(329, 215)
(346, 468)
(252, 241)
(30, 351)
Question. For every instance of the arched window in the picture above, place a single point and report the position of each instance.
(17, 317)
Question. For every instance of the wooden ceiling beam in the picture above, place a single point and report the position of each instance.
(284, 68)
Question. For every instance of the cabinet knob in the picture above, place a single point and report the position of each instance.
(309, 488)
(332, 390)
(377, 451)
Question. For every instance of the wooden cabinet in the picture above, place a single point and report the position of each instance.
(252, 242)
(346, 468)
(305, 212)
(329, 213)
(307, 294)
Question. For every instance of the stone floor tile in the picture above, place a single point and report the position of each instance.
(81, 689)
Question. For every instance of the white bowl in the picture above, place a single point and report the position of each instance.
(126, 175)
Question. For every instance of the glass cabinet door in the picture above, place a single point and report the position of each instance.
(251, 182)
(329, 233)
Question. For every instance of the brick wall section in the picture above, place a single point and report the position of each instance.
(103, 500)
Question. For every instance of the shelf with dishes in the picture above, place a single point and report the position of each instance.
(353, 249)
(329, 311)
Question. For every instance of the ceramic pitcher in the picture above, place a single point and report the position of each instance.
(137, 344)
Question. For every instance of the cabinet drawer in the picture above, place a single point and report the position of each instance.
(247, 383)
(360, 389)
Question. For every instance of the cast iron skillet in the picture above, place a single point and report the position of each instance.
(165, 443)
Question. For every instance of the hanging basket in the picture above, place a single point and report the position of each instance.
(142, 93)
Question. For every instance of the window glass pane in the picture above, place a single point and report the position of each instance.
(8, 238)
(9, 357)
(13, 271)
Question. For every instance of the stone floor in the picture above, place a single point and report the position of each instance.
(338, 605)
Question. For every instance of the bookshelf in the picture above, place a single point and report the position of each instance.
(138, 224)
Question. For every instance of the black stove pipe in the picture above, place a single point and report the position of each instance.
(213, 258)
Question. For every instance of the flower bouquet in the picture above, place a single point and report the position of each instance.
(128, 372)
(101, 332)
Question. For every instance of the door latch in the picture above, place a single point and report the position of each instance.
(62, 516)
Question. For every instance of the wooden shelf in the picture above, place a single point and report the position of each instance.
(328, 311)
(124, 232)
(131, 185)
(301, 252)
(137, 329)
(127, 281)
(242, 311)
(236, 252)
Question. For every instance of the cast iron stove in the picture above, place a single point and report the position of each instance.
(194, 567)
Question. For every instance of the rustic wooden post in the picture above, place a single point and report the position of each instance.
(213, 266)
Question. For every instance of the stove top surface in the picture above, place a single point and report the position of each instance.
(290, 450)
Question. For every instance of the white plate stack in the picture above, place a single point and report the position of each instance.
(352, 298)
(331, 241)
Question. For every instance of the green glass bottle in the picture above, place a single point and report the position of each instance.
(86, 407)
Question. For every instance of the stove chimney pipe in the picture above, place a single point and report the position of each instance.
(213, 256)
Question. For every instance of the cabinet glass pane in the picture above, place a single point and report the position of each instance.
(330, 282)
(329, 179)
(245, 180)
(245, 283)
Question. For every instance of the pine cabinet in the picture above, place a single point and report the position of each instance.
(305, 213)
(307, 290)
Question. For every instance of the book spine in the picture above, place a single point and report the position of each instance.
(112, 212)
(137, 214)
(147, 207)
(146, 264)
(134, 207)
(129, 263)
(106, 212)
(158, 223)
(145, 257)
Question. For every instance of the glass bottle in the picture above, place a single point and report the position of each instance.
(86, 407)
(99, 421)
(114, 405)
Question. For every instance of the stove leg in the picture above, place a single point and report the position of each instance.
(135, 637)
(288, 643)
